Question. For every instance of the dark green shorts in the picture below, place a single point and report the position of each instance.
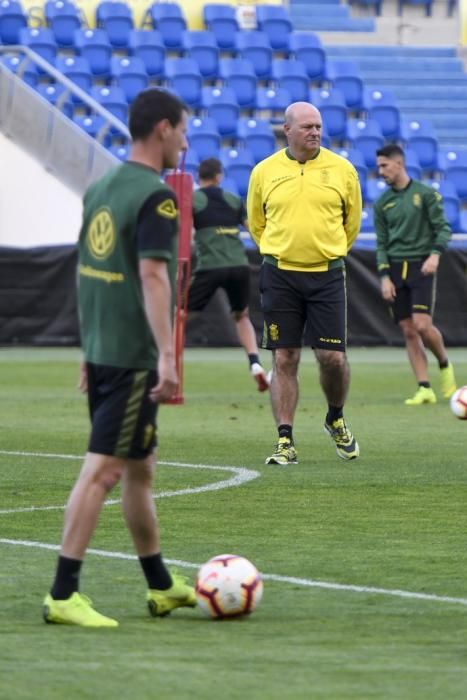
(123, 417)
(303, 307)
(235, 281)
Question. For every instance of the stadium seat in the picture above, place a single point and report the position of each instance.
(271, 103)
(257, 137)
(40, 40)
(239, 75)
(95, 47)
(412, 164)
(376, 4)
(345, 76)
(203, 137)
(275, 22)
(113, 99)
(222, 106)
(222, 22)
(427, 4)
(64, 19)
(367, 137)
(333, 111)
(129, 73)
(367, 224)
(381, 106)
(12, 19)
(191, 162)
(230, 185)
(255, 47)
(451, 203)
(184, 78)
(420, 136)
(77, 69)
(117, 20)
(120, 151)
(238, 165)
(58, 96)
(292, 76)
(374, 189)
(168, 18)
(95, 126)
(23, 68)
(307, 48)
(147, 45)
(202, 48)
(456, 173)
(358, 161)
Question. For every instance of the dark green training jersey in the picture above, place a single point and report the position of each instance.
(410, 224)
(128, 214)
(217, 216)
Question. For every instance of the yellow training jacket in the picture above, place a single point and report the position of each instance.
(304, 214)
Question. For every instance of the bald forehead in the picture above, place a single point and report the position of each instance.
(302, 112)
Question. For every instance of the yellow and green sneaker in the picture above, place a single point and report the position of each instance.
(422, 395)
(179, 595)
(448, 381)
(75, 610)
(346, 445)
(284, 453)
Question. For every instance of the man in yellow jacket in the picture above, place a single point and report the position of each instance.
(304, 210)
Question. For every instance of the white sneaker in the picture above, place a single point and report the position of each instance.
(259, 375)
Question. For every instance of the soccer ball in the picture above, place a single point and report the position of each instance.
(228, 586)
(458, 403)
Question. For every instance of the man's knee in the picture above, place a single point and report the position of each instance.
(423, 324)
(331, 360)
(286, 360)
(103, 471)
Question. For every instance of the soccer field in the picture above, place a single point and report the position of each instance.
(364, 563)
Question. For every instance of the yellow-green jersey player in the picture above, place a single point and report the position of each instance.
(412, 233)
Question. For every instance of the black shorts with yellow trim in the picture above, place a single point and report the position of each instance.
(303, 308)
(123, 417)
(415, 292)
(235, 281)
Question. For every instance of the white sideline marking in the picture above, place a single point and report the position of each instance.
(309, 583)
(241, 476)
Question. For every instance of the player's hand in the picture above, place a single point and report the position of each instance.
(388, 289)
(168, 380)
(430, 265)
(83, 378)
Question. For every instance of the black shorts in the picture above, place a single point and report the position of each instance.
(234, 280)
(302, 307)
(415, 293)
(123, 417)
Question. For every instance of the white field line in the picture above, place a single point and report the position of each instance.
(309, 583)
(240, 476)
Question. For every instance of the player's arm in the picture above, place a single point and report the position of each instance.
(440, 227)
(353, 209)
(388, 289)
(255, 208)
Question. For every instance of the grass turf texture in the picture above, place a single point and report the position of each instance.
(394, 519)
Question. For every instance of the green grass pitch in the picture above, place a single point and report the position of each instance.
(364, 562)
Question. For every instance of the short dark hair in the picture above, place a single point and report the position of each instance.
(152, 106)
(209, 168)
(390, 150)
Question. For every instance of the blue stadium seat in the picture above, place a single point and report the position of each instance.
(230, 185)
(95, 47)
(12, 19)
(292, 76)
(42, 41)
(239, 75)
(202, 48)
(307, 48)
(381, 106)
(427, 4)
(113, 99)
(456, 172)
(221, 20)
(374, 189)
(120, 151)
(257, 137)
(255, 47)
(168, 18)
(358, 161)
(117, 20)
(147, 45)
(271, 103)
(420, 136)
(376, 4)
(203, 137)
(63, 18)
(345, 76)
(331, 104)
(451, 202)
(366, 135)
(367, 224)
(94, 125)
(222, 106)
(129, 73)
(184, 78)
(412, 164)
(190, 160)
(238, 165)
(275, 22)
(23, 68)
(77, 69)
(58, 96)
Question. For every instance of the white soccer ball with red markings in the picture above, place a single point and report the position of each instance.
(458, 402)
(228, 586)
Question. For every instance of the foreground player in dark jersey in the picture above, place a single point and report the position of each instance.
(412, 233)
(126, 247)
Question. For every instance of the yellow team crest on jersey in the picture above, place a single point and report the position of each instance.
(274, 332)
(417, 200)
(101, 235)
(325, 176)
(167, 209)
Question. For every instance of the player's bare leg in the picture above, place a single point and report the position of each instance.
(247, 337)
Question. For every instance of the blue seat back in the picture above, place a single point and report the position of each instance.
(168, 18)
(202, 48)
(95, 47)
(117, 19)
(255, 47)
(63, 18)
(12, 19)
(147, 45)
